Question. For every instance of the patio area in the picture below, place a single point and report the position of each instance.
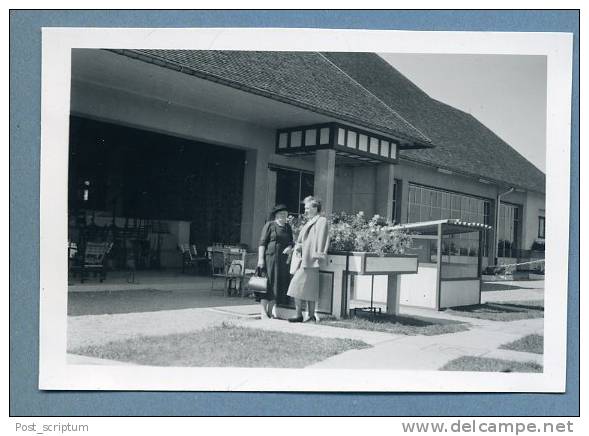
(158, 305)
(151, 291)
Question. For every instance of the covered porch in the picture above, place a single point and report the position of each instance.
(162, 156)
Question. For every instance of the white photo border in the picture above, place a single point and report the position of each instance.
(56, 374)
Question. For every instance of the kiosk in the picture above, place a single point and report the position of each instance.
(450, 264)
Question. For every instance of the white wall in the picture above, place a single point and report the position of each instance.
(534, 207)
(459, 293)
(420, 289)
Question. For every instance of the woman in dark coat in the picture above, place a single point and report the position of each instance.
(276, 244)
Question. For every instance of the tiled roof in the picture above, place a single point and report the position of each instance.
(304, 79)
(462, 143)
(364, 89)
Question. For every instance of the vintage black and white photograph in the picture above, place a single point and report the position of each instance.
(263, 218)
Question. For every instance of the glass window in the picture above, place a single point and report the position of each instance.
(384, 148)
(351, 139)
(427, 204)
(324, 136)
(295, 138)
(541, 227)
(283, 140)
(363, 142)
(393, 150)
(395, 197)
(341, 137)
(311, 137)
(292, 187)
(508, 230)
(374, 145)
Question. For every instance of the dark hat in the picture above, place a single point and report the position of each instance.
(278, 208)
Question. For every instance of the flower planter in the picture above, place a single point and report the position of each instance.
(339, 267)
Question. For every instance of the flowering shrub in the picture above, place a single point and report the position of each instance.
(353, 232)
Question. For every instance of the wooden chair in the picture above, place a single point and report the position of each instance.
(200, 257)
(188, 259)
(93, 260)
(228, 266)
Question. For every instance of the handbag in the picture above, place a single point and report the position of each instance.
(258, 282)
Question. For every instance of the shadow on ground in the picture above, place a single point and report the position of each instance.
(145, 300)
(490, 286)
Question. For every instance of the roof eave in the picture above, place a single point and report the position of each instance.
(500, 183)
(409, 142)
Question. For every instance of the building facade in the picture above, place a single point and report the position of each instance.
(207, 142)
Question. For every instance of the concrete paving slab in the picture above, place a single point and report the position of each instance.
(433, 352)
(518, 356)
(318, 330)
(388, 351)
(101, 329)
(75, 359)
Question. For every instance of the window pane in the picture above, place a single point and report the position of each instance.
(292, 187)
(282, 140)
(384, 148)
(341, 137)
(295, 138)
(287, 189)
(413, 213)
(351, 139)
(324, 136)
(374, 145)
(311, 137)
(393, 150)
(363, 142)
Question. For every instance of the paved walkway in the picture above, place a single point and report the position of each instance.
(432, 352)
(518, 290)
(172, 280)
(388, 351)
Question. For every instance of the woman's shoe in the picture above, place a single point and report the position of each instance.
(296, 319)
(311, 319)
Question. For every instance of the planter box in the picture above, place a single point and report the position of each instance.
(335, 279)
(364, 263)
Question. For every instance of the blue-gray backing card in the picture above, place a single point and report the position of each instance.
(25, 75)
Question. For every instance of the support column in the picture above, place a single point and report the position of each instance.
(385, 186)
(393, 294)
(439, 268)
(403, 200)
(254, 205)
(325, 178)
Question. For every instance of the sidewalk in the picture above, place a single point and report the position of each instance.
(388, 351)
(432, 352)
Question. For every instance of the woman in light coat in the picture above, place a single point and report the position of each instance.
(310, 252)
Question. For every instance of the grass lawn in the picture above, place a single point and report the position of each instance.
(402, 325)
(224, 345)
(529, 344)
(505, 311)
(485, 364)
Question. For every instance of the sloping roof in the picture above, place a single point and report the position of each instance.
(362, 88)
(462, 143)
(304, 79)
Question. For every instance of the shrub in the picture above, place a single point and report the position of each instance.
(353, 232)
